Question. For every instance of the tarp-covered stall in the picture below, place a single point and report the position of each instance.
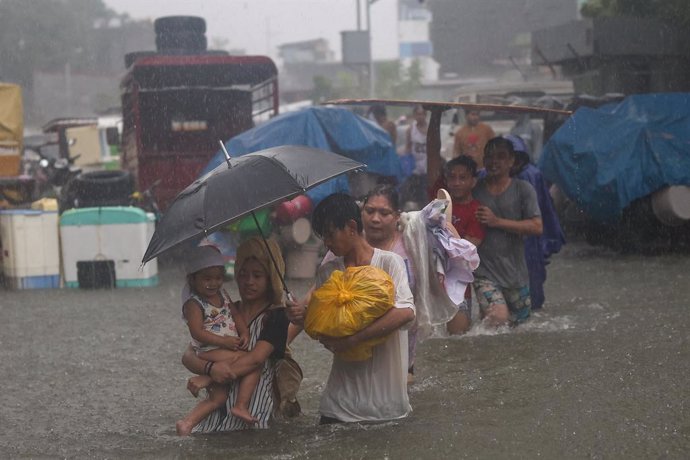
(603, 159)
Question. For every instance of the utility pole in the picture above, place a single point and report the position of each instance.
(371, 51)
(359, 15)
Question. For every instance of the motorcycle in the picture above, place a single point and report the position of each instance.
(51, 172)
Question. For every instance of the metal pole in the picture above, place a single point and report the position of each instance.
(359, 15)
(371, 51)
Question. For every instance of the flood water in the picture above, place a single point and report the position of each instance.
(602, 372)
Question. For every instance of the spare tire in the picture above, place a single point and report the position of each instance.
(191, 41)
(102, 188)
(176, 24)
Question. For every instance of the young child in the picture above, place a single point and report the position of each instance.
(460, 177)
(218, 333)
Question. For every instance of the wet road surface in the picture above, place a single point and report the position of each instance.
(601, 372)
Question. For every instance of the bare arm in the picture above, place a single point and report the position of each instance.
(408, 141)
(531, 226)
(241, 326)
(456, 144)
(293, 331)
(391, 321)
(392, 131)
(296, 310)
(226, 371)
(433, 147)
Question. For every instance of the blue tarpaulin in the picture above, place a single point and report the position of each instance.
(329, 128)
(605, 158)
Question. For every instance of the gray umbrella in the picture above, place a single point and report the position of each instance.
(241, 186)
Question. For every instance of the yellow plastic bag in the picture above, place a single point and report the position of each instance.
(348, 302)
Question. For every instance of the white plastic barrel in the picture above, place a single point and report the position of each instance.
(296, 233)
(671, 205)
(30, 248)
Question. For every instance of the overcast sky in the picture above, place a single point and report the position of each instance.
(259, 26)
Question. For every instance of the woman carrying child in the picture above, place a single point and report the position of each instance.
(261, 308)
(218, 333)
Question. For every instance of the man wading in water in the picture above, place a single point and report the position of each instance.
(375, 389)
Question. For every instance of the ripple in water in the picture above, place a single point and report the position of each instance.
(538, 322)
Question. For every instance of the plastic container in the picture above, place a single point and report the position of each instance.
(246, 226)
(298, 232)
(671, 205)
(30, 248)
(289, 211)
(119, 234)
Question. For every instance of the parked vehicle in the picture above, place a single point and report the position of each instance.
(625, 171)
(179, 102)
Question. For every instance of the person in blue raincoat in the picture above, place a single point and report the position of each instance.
(538, 249)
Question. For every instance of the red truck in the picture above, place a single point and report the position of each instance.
(177, 103)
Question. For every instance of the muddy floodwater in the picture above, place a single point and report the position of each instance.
(601, 372)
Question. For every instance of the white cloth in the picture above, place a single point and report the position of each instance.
(375, 389)
(428, 241)
(458, 256)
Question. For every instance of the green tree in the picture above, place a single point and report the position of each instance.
(388, 77)
(395, 82)
(347, 85)
(323, 89)
(46, 35)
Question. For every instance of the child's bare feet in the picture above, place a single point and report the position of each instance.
(183, 427)
(244, 415)
(197, 383)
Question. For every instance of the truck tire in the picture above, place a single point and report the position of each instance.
(186, 40)
(174, 24)
(102, 188)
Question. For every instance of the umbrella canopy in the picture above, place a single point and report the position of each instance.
(240, 186)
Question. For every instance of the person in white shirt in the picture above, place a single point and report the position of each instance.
(375, 389)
